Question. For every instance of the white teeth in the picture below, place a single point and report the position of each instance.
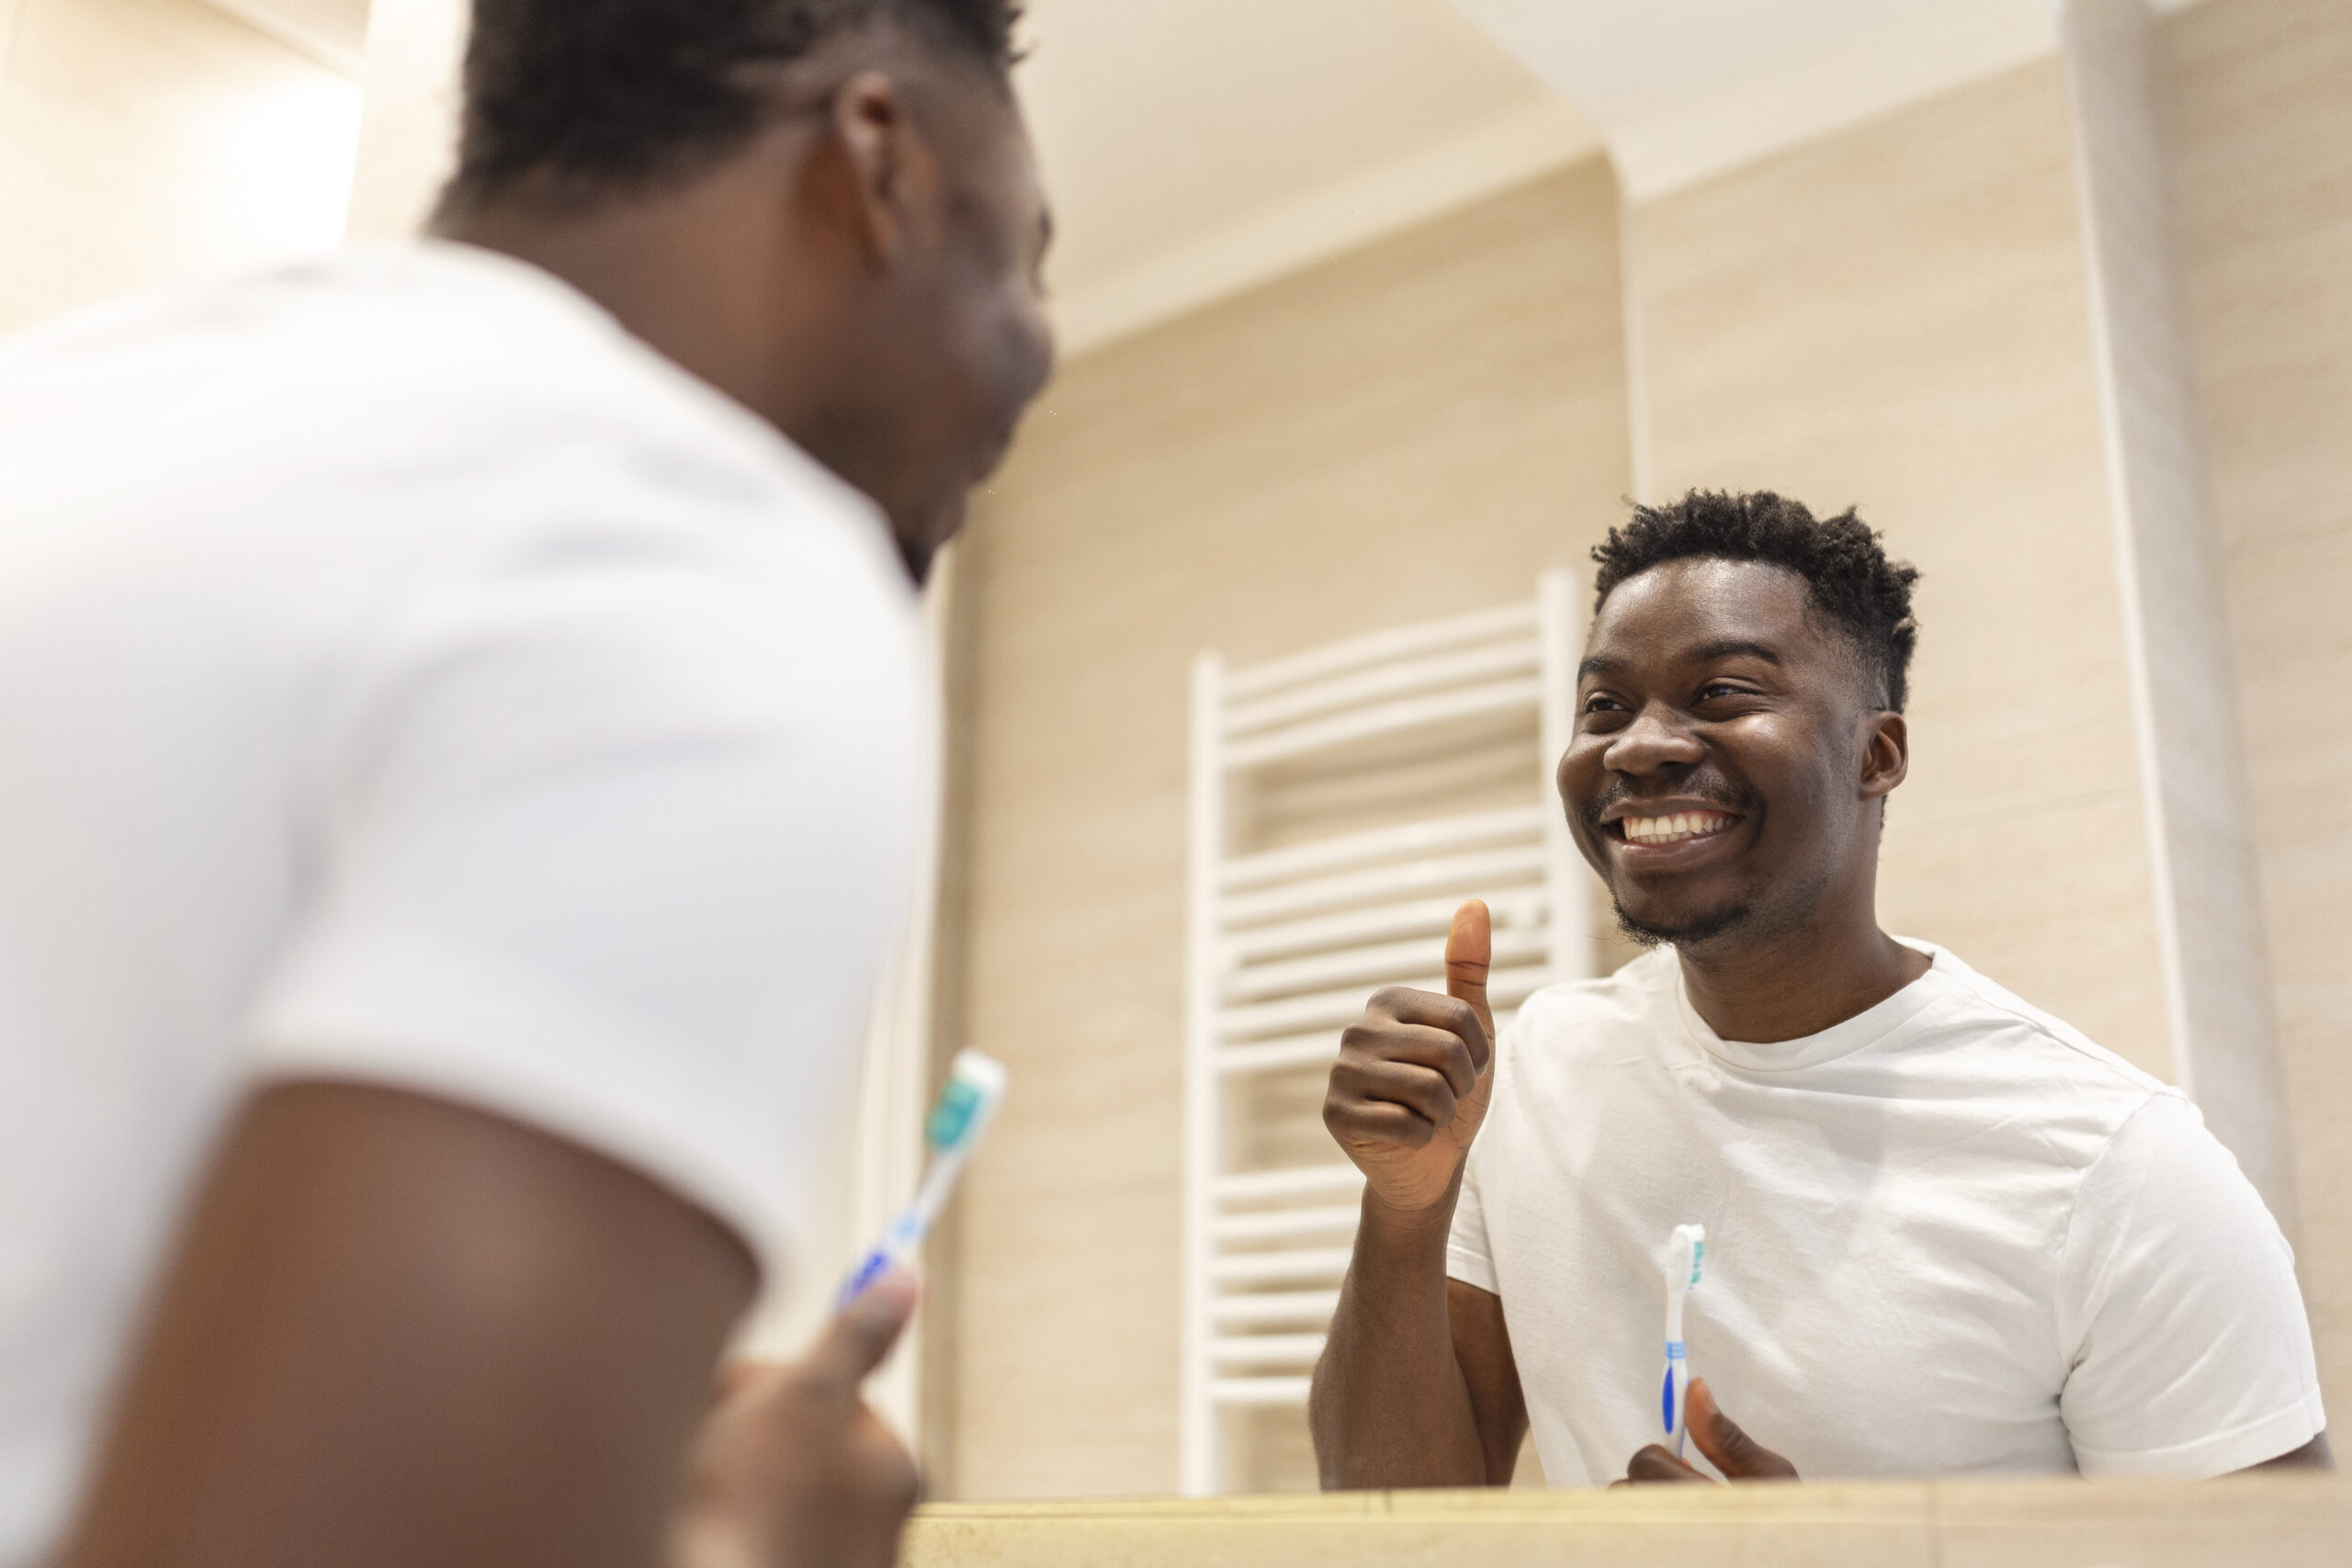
(1672, 829)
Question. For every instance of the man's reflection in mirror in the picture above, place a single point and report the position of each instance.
(1947, 1233)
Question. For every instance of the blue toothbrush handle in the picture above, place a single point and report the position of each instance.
(1672, 1394)
(869, 1269)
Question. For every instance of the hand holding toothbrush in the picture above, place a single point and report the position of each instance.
(1414, 1074)
(792, 1469)
(1727, 1448)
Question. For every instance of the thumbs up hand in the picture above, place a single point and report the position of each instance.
(1409, 1088)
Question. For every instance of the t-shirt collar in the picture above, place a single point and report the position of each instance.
(1865, 1028)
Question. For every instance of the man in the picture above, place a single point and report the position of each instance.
(463, 706)
(1946, 1233)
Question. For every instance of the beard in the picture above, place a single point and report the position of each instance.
(919, 557)
(1702, 929)
(1743, 923)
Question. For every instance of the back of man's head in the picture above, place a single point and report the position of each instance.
(567, 101)
(826, 209)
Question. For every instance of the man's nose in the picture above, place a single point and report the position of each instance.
(1653, 740)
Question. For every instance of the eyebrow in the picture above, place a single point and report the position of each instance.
(1706, 653)
(1734, 648)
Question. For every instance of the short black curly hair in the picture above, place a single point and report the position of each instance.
(1855, 586)
(582, 98)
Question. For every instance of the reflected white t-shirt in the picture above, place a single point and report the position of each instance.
(1949, 1236)
(408, 676)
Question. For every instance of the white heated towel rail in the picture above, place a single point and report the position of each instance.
(1284, 945)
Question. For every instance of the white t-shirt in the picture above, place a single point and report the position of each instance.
(407, 676)
(1949, 1236)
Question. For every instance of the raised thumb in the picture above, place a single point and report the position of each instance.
(1469, 948)
(860, 1336)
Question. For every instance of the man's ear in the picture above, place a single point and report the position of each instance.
(885, 181)
(1886, 753)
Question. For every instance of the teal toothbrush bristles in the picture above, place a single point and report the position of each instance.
(1698, 1255)
(975, 1085)
(949, 1118)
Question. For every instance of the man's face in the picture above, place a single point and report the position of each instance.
(1727, 747)
(964, 344)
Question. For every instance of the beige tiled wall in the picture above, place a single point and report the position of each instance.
(1413, 430)
(2261, 129)
(2176, 615)
(1895, 317)
(143, 142)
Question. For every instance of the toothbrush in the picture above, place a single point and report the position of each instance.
(967, 1101)
(1684, 1254)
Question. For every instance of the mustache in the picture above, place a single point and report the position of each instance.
(1715, 791)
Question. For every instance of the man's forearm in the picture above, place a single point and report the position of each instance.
(1390, 1406)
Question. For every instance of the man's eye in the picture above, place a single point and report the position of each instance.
(1718, 689)
(1598, 704)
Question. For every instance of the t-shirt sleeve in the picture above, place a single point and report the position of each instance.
(610, 840)
(2192, 1357)
(1468, 1256)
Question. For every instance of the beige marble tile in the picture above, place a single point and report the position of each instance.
(2290, 1522)
(2280, 1522)
(1786, 1526)
(2051, 903)
(2261, 129)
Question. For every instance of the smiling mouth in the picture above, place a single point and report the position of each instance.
(1677, 828)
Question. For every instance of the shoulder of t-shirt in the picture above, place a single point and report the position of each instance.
(1567, 1010)
(544, 472)
(476, 369)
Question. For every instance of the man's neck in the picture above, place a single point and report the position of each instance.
(1788, 986)
(696, 270)
(713, 275)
